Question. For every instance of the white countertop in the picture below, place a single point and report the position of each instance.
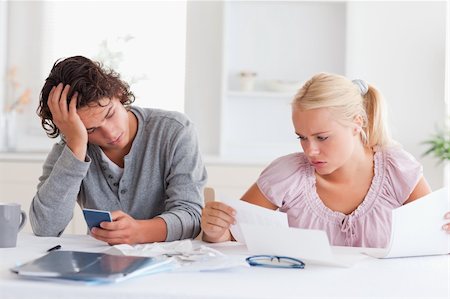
(418, 277)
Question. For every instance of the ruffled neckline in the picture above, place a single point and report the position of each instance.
(338, 217)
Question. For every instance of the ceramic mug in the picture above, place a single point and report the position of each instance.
(12, 220)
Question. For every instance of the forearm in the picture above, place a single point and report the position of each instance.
(78, 149)
(152, 230)
(225, 237)
(50, 212)
(52, 206)
(182, 224)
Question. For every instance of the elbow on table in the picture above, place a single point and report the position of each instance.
(43, 228)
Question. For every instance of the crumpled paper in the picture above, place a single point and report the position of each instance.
(187, 256)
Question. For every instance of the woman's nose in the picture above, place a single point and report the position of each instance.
(312, 150)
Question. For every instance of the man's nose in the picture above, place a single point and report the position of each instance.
(108, 131)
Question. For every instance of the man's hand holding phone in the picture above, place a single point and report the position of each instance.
(95, 217)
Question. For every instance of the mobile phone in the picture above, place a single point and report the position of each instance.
(95, 217)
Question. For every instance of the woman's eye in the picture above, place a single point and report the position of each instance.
(302, 138)
(111, 115)
(321, 138)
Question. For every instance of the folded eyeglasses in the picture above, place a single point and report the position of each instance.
(274, 261)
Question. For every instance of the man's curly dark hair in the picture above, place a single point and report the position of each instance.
(89, 79)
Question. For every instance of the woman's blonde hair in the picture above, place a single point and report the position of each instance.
(347, 100)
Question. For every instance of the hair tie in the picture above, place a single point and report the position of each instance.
(362, 86)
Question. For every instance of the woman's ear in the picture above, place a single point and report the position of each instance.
(358, 123)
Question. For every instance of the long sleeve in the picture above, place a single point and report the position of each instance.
(185, 178)
(52, 206)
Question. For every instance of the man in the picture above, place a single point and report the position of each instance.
(143, 165)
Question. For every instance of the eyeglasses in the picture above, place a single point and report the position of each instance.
(273, 261)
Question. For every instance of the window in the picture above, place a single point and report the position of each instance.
(155, 51)
(148, 38)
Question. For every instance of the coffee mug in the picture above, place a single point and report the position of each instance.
(12, 220)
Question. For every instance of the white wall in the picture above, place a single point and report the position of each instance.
(399, 47)
(204, 48)
(3, 30)
(284, 40)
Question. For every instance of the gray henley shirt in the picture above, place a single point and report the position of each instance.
(163, 176)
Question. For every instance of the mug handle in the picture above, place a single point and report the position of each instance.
(23, 219)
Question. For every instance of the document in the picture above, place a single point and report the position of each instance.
(91, 267)
(265, 231)
(416, 231)
(417, 228)
(247, 213)
(309, 245)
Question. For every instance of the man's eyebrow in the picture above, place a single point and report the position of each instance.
(107, 113)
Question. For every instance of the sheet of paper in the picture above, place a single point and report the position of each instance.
(253, 214)
(417, 228)
(310, 246)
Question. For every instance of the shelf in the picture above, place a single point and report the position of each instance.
(20, 156)
(261, 94)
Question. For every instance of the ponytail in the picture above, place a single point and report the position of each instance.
(376, 132)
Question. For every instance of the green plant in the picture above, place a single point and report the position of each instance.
(439, 146)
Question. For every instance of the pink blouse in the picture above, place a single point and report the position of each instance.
(289, 183)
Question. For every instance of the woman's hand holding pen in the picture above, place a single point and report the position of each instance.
(217, 218)
(66, 118)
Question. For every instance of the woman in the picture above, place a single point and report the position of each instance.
(349, 176)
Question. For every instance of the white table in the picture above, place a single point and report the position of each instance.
(420, 277)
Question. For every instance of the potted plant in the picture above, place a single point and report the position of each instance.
(439, 146)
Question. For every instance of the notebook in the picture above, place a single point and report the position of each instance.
(91, 267)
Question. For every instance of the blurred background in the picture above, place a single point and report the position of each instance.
(232, 67)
